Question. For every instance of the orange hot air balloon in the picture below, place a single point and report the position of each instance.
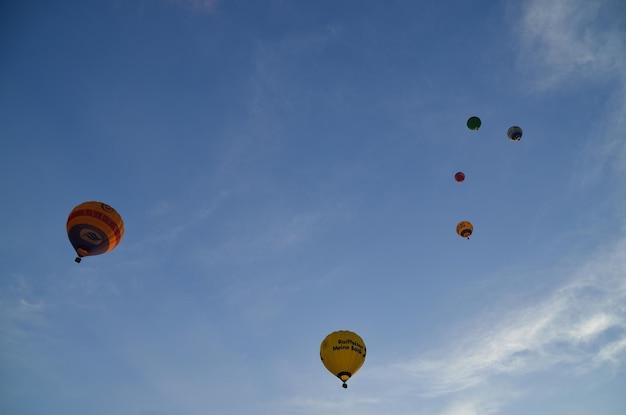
(464, 229)
(459, 176)
(343, 353)
(94, 228)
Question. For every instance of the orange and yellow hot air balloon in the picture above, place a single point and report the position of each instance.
(343, 353)
(464, 229)
(94, 228)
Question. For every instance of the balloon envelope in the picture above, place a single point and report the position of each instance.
(514, 133)
(94, 228)
(464, 229)
(343, 353)
(459, 176)
(473, 123)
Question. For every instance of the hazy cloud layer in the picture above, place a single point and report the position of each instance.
(561, 41)
(582, 324)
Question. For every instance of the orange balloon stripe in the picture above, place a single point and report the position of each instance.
(97, 219)
(90, 213)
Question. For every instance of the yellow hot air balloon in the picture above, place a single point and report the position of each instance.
(94, 228)
(464, 229)
(343, 353)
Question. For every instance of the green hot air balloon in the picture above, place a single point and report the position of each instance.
(473, 123)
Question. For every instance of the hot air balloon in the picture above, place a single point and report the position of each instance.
(94, 228)
(343, 353)
(459, 176)
(514, 133)
(464, 229)
(473, 123)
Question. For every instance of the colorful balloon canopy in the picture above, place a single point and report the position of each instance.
(94, 228)
(464, 229)
(473, 123)
(514, 133)
(459, 176)
(343, 353)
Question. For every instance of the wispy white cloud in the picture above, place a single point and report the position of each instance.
(470, 407)
(290, 231)
(614, 123)
(571, 43)
(174, 219)
(17, 317)
(565, 40)
(18, 309)
(38, 306)
(591, 327)
(348, 403)
(23, 315)
(262, 238)
(159, 209)
(611, 352)
(577, 328)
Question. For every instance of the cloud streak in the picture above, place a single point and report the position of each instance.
(561, 40)
(578, 328)
(573, 41)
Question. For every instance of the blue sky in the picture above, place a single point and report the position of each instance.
(285, 169)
